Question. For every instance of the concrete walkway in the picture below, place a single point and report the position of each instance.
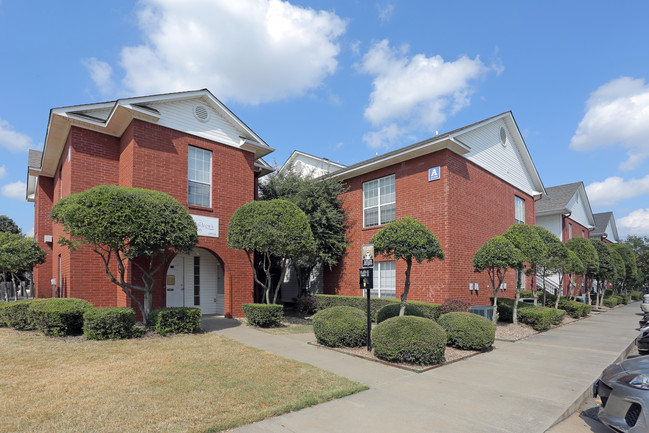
(520, 387)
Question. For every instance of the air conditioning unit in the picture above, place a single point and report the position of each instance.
(486, 311)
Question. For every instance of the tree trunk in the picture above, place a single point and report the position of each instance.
(281, 280)
(586, 290)
(559, 291)
(517, 297)
(406, 288)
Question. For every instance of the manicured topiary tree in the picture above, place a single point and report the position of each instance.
(606, 271)
(630, 264)
(127, 225)
(496, 256)
(620, 270)
(18, 254)
(527, 241)
(574, 267)
(407, 239)
(272, 229)
(586, 252)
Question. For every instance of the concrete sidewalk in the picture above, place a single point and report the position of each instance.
(520, 387)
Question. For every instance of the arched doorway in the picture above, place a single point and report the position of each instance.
(196, 280)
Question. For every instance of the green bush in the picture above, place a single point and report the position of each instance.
(526, 294)
(411, 339)
(3, 324)
(109, 323)
(506, 309)
(574, 309)
(625, 299)
(610, 302)
(175, 320)
(264, 315)
(59, 316)
(468, 331)
(305, 305)
(550, 299)
(541, 318)
(327, 301)
(419, 309)
(451, 305)
(636, 295)
(340, 327)
(17, 315)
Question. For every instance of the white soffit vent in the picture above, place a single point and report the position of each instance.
(503, 136)
(201, 112)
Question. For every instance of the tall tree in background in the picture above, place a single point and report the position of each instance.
(496, 256)
(586, 252)
(620, 270)
(275, 229)
(18, 254)
(318, 199)
(630, 265)
(7, 225)
(528, 242)
(407, 239)
(130, 225)
(640, 246)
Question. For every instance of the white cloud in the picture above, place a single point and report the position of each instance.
(30, 233)
(614, 189)
(3, 171)
(418, 92)
(617, 114)
(385, 11)
(637, 222)
(101, 73)
(15, 190)
(251, 51)
(13, 140)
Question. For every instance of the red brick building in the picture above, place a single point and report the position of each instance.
(467, 186)
(186, 144)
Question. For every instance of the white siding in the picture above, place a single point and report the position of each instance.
(312, 167)
(503, 161)
(179, 115)
(579, 213)
(552, 223)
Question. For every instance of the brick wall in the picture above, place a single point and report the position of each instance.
(464, 208)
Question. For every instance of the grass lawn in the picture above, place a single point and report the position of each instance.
(187, 383)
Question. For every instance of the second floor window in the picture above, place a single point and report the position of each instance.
(519, 207)
(379, 201)
(199, 177)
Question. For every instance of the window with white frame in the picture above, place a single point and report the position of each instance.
(385, 280)
(519, 208)
(199, 177)
(379, 201)
(569, 230)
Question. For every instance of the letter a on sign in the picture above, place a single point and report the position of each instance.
(433, 174)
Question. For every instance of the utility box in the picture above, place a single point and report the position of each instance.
(486, 311)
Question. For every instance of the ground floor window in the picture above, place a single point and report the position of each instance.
(385, 280)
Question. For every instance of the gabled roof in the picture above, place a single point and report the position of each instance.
(602, 221)
(323, 164)
(114, 117)
(452, 141)
(561, 199)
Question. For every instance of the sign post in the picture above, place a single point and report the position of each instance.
(366, 274)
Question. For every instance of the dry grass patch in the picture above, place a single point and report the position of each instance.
(188, 383)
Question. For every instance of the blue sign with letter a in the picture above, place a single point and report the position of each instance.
(433, 174)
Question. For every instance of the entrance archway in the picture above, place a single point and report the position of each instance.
(196, 280)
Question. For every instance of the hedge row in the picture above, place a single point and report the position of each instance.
(419, 309)
(575, 309)
(636, 295)
(264, 315)
(68, 316)
(540, 318)
(424, 309)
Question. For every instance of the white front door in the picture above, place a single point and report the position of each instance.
(198, 279)
(175, 283)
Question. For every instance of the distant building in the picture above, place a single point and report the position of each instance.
(605, 228)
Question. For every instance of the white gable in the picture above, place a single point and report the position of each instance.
(580, 209)
(179, 115)
(309, 165)
(503, 160)
(552, 223)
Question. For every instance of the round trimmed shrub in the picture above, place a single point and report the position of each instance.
(411, 339)
(175, 320)
(59, 316)
(17, 314)
(108, 323)
(340, 327)
(468, 331)
(264, 315)
(419, 309)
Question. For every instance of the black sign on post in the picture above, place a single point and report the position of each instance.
(366, 283)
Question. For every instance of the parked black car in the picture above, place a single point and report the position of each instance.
(645, 320)
(642, 341)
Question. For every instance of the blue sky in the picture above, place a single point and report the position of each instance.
(349, 79)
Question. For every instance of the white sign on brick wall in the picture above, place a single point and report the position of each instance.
(207, 226)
